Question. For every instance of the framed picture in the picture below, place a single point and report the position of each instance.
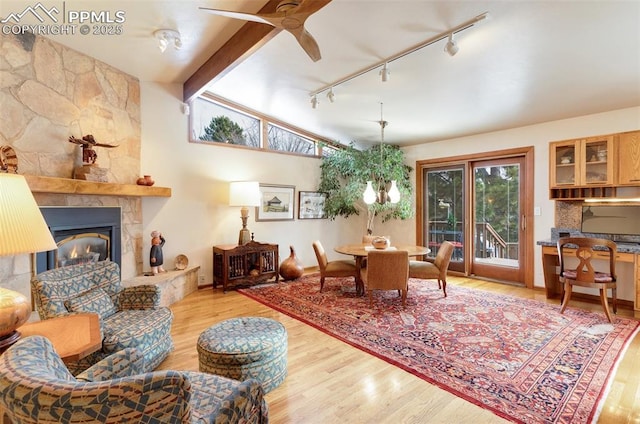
(277, 203)
(311, 205)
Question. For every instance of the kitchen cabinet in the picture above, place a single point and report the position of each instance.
(582, 168)
(628, 163)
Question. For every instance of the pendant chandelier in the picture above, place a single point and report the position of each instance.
(370, 196)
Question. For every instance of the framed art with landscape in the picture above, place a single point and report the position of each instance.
(277, 203)
(311, 205)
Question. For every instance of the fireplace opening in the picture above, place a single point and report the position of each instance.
(82, 249)
(83, 235)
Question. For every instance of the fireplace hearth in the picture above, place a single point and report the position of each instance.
(83, 235)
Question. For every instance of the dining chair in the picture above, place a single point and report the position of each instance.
(387, 270)
(584, 274)
(436, 270)
(340, 268)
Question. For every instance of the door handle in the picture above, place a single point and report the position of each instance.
(523, 223)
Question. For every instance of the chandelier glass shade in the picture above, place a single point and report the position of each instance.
(382, 196)
(394, 193)
(369, 195)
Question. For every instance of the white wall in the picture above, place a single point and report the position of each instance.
(197, 215)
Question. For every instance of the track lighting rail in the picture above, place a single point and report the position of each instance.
(384, 62)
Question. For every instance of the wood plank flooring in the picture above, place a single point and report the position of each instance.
(332, 382)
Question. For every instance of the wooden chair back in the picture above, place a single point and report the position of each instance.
(584, 253)
(443, 257)
(387, 270)
(321, 255)
(584, 274)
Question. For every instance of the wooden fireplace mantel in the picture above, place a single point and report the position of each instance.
(39, 184)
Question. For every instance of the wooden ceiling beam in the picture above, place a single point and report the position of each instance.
(240, 46)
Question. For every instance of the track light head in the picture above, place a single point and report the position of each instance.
(166, 37)
(384, 73)
(162, 44)
(314, 101)
(451, 47)
(331, 96)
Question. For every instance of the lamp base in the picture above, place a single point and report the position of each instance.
(8, 340)
(245, 236)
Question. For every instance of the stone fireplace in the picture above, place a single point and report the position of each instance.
(57, 92)
(83, 234)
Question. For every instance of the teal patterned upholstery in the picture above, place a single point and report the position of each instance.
(244, 348)
(129, 317)
(36, 387)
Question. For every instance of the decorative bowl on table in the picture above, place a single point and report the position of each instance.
(380, 242)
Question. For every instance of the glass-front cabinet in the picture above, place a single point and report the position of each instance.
(563, 169)
(597, 161)
(582, 162)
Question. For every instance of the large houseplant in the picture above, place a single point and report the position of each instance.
(344, 176)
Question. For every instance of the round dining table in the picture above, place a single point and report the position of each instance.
(361, 250)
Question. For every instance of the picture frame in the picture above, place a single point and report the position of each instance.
(311, 205)
(277, 203)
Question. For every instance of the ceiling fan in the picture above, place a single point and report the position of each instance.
(290, 15)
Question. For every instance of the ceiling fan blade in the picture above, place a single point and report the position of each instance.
(237, 15)
(309, 7)
(307, 42)
(292, 20)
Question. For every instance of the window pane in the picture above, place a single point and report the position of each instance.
(328, 150)
(287, 141)
(212, 122)
(445, 211)
(497, 214)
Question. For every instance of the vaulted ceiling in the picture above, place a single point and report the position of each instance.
(530, 62)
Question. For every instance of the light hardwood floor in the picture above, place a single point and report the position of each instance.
(332, 382)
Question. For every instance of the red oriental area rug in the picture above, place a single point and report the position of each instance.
(519, 358)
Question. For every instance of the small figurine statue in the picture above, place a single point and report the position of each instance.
(87, 142)
(155, 256)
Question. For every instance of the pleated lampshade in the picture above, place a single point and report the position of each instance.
(22, 230)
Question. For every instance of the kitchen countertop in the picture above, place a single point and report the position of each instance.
(623, 247)
(627, 244)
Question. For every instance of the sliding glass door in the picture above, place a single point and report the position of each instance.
(481, 203)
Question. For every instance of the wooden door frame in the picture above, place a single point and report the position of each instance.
(527, 181)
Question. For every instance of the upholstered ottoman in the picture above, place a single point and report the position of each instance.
(242, 348)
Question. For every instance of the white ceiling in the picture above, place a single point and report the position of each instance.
(531, 62)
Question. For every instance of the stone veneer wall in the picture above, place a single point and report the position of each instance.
(49, 92)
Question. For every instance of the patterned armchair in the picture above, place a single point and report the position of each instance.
(36, 387)
(129, 317)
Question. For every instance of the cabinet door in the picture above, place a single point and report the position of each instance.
(597, 161)
(563, 168)
(629, 158)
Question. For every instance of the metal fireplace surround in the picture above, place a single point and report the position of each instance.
(72, 223)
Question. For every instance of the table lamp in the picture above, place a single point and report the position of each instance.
(244, 194)
(22, 230)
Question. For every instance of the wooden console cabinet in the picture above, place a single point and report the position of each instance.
(247, 264)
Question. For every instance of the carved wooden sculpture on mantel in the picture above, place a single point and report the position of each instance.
(89, 169)
(8, 160)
